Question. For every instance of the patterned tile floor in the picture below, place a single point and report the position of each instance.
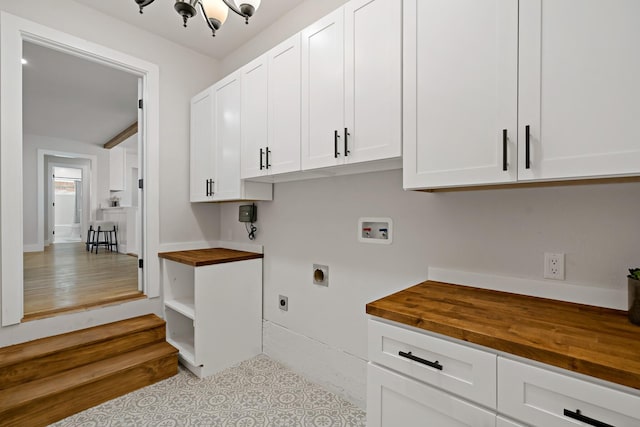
(259, 392)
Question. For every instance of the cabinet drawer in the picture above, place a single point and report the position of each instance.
(395, 400)
(542, 398)
(461, 370)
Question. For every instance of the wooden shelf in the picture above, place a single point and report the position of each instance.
(593, 341)
(183, 306)
(202, 257)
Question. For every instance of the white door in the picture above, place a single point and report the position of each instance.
(284, 106)
(579, 88)
(323, 91)
(395, 400)
(255, 119)
(460, 92)
(226, 185)
(202, 146)
(373, 80)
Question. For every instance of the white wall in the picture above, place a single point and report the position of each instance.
(183, 73)
(30, 146)
(500, 232)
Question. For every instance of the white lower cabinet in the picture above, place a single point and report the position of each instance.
(546, 398)
(419, 378)
(213, 313)
(503, 422)
(396, 400)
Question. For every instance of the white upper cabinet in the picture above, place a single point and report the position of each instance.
(215, 146)
(284, 107)
(323, 91)
(254, 117)
(202, 153)
(351, 85)
(271, 112)
(579, 88)
(502, 90)
(373, 80)
(460, 92)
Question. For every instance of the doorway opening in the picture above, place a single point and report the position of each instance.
(67, 204)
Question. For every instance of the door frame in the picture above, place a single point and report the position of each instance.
(13, 32)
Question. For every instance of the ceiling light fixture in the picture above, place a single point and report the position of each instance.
(214, 11)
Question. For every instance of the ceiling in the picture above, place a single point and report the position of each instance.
(73, 98)
(68, 97)
(160, 18)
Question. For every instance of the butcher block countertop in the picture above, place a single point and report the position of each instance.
(594, 341)
(202, 257)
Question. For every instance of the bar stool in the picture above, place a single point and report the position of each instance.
(90, 237)
(105, 233)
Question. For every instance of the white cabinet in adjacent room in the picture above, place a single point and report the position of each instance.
(117, 160)
(351, 85)
(499, 91)
(216, 146)
(271, 112)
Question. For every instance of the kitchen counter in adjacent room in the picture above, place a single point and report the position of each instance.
(210, 256)
(594, 341)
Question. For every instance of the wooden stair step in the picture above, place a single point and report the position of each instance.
(44, 401)
(37, 359)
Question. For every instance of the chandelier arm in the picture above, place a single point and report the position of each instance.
(233, 8)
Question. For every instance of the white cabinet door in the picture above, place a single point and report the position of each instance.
(254, 79)
(202, 149)
(323, 92)
(503, 422)
(284, 107)
(227, 185)
(460, 92)
(579, 88)
(117, 160)
(373, 81)
(395, 400)
(541, 397)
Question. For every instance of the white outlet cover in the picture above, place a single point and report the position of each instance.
(554, 266)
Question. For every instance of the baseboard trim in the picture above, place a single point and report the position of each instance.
(339, 372)
(33, 248)
(563, 291)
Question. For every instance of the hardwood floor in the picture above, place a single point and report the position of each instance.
(65, 277)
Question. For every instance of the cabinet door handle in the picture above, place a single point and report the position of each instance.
(208, 191)
(261, 153)
(527, 147)
(335, 144)
(211, 192)
(577, 415)
(268, 164)
(504, 149)
(410, 356)
(346, 144)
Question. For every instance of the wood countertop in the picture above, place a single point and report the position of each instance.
(210, 256)
(594, 341)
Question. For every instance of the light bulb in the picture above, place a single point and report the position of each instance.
(216, 10)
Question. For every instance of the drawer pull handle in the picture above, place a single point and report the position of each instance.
(527, 147)
(410, 356)
(577, 415)
(504, 149)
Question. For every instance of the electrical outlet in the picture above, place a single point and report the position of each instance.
(553, 266)
(283, 303)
